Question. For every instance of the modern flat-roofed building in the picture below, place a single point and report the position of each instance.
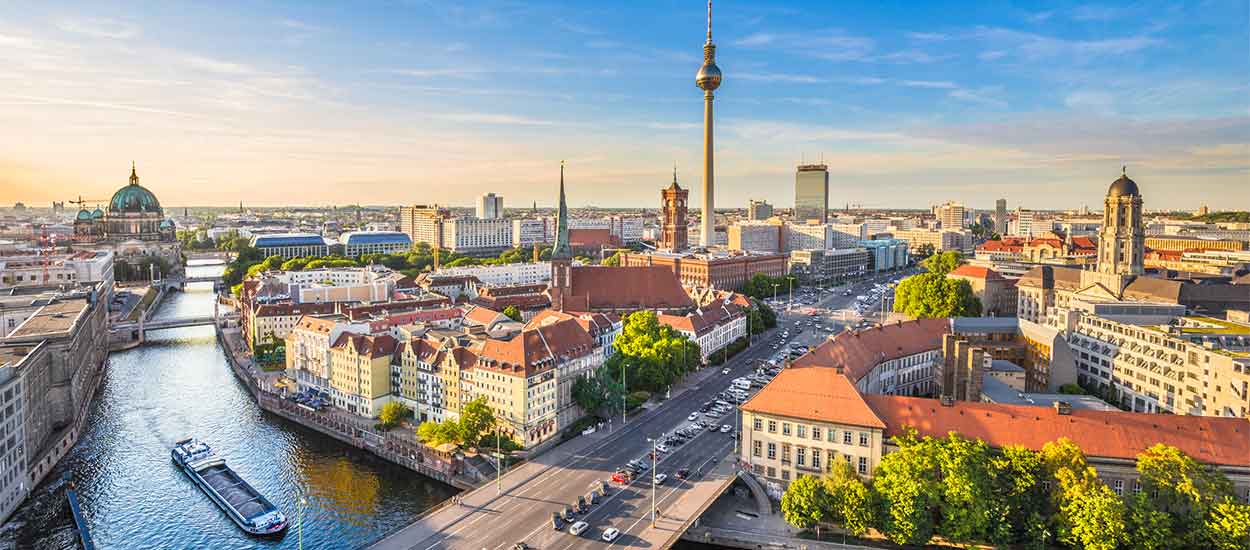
(721, 271)
(490, 206)
(357, 243)
(951, 215)
(811, 193)
(759, 210)
(886, 254)
(755, 236)
(291, 245)
(822, 267)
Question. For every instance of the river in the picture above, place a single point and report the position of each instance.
(177, 385)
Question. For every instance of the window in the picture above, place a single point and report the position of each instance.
(800, 456)
(785, 475)
(816, 433)
(759, 424)
(772, 451)
(772, 472)
(863, 465)
(863, 439)
(1136, 487)
(802, 432)
(832, 435)
(785, 428)
(758, 447)
(1119, 487)
(846, 438)
(772, 426)
(816, 458)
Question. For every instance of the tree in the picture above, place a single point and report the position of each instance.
(476, 417)
(766, 314)
(1148, 528)
(614, 260)
(1228, 525)
(943, 263)
(653, 355)
(909, 489)
(392, 413)
(971, 509)
(933, 295)
(439, 433)
(1016, 477)
(1182, 489)
(1089, 514)
(513, 313)
(925, 250)
(591, 393)
(805, 503)
(850, 499)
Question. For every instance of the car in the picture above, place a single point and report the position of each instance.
(659, 478)
(520, 546)
(578, 528)
(682, 473)
(621, 477)
(726, 428)
(568, 514)
(557, 521)
(661, 448)
(725, 370)
(610, 534)
(693, 417)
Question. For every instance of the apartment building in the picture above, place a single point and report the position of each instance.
(476, 235)
(902, 358)
(886, 254)
(1154, 358)
(423, 223)
(756, 236)
(360, 372)
(712, 327)
(56, 268)
(941, 240)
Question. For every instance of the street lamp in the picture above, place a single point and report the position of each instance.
(498, 463)
(653, 461)
(303, 501)
(624, 391)
(775, 285)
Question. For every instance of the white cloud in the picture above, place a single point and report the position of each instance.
(756, 39)
(1037, 46)
(933, 84)
(1092, 12)
(494, 118)
(99, 28)
(983, 96)
(299, 25)
(1090, 101)
(781, 77)
(913, 56)
(928, 36)
(209, 64)
(991, 55)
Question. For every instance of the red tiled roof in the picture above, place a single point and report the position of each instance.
(370, 346)
(858, 352)
(1084, 243)
(593, 323)
(536, 348)
(702, 320)
(1107, 434)
(1001, 246)
(644, 287)
(976, 272)
(482, 316)
(590, 238)
(814, 393)
(288, 309)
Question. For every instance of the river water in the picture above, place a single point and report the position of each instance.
(179, 385)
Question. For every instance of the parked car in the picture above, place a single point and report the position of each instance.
(725, 370)
(693, 417)
(726, 428)
(659, 478)
(578, 528)
(611, 533)
(682, 473)
(557, 522)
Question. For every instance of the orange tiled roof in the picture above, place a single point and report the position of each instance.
(814, 393)
(370, 346)
(976, 272)
(859, 351)
(1108, 434)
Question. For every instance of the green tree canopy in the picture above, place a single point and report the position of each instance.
(805, 502)
(392, 413)
(943, 263)
(476, 417)
(513, 313)
(933, 295)
(907, 482)
(850, 500)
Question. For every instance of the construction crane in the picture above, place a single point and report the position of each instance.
(81, 201)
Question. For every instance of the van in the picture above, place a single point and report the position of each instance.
(742, 384)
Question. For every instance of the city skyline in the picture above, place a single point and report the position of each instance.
(908, 106)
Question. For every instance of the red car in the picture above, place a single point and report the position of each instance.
(620, 477)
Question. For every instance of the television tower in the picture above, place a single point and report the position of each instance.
(708, 79)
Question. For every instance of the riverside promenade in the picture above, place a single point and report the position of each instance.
(399, 445)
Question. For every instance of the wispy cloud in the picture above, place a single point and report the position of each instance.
(983, 96)
(781, 77)
(99, 28)
(299, 25)
(1036, 46)
(827, 44)
(104, 105)
(494, 118)
(755, 39)
(209, 64)
(913, 56)
(1094, 12)
(991, 55)
(674, 125)
(573, 27)
(932, 84)
(928, 36)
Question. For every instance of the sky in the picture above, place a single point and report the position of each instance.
(410, 102)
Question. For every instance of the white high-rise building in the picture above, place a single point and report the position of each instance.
(951, 215)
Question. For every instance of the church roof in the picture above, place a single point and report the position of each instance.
(134, 198)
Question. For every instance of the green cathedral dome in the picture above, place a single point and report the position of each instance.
(134, 198)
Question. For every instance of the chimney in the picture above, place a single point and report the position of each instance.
(838, 369)
(1063, 408)
(948, 401)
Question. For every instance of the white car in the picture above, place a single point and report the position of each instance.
(611, 533)
(578, 528)
(725, 370)
(661, 448)
(693, 416)
(659, 478)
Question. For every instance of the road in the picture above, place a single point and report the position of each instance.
(520, 511)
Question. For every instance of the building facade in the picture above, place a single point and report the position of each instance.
(886, 254)
(824, 267)
(756, 236)
(292, 245)
(358, 243)
(490, 207)
(811, 193)
(674, 230)
(759, 210)
(721, 271)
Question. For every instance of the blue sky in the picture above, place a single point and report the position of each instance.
(910, 103)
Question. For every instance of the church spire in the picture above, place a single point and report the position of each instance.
(134, 177)
(561, 249)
